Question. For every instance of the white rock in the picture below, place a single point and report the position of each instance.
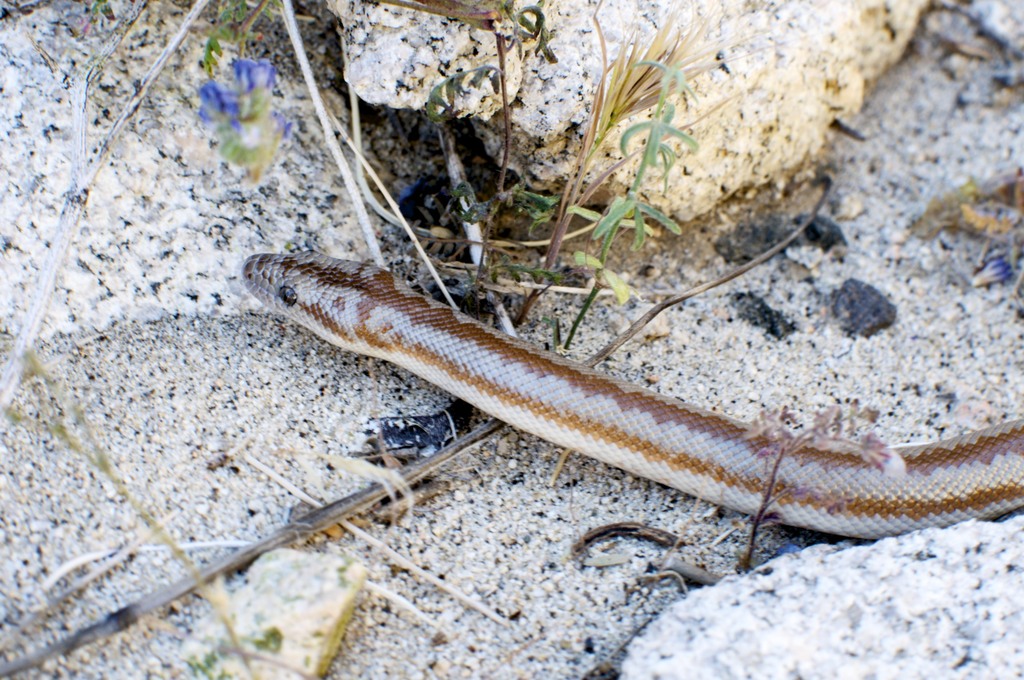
(292, 610)
(938, 603)
(168, 223)
(796, 66)
(850, 207)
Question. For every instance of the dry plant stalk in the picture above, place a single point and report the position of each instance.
(630, 86)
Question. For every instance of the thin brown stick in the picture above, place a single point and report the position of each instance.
(298, 530)
(687, 571)
(657, 309)
(666, 539)
(247, 24)
(571, 192)
(768, 499)
(505, 113)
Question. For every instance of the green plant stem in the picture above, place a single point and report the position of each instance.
(638, 325)
(246, 25)
(583, 312)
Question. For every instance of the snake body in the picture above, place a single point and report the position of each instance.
(363, 309)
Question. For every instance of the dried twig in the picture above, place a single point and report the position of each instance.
(688, 571)
(314, 522)
(639, 530)
(657, 309)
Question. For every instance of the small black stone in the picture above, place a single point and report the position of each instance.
(754, 310)
(823, 232)
(750, 239)
(862, 309)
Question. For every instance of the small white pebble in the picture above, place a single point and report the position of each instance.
(851, 206)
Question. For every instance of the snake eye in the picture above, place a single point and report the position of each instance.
(287, 295)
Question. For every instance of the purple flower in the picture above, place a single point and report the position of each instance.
(995, 270)
(217, 101)
(254, 74)
(240, 113)
(787, 549)
(284, 126)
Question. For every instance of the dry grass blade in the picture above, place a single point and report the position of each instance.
(407, 564)
(634, 84)
(351, 186)
(402, 603)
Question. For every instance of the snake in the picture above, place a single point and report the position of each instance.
(824, 487)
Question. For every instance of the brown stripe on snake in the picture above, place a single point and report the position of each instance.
(363, 309)
(381, 286)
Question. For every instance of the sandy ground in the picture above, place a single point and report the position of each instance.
(165, 398)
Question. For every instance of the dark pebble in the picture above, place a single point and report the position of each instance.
(862, 309)
(750, 239)
(754, 310)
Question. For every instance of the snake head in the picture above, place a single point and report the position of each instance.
(330, 297)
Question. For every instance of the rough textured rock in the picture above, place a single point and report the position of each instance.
(861, 309)
(291, 612)
(884, 610)
(792, 69)
(167, 223)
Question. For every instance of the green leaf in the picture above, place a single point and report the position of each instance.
(531, 25)
(630, 132)
(211, 54)
(440, 105)
(667, 160)
(673, 78)
(618, 286)
(620, 209)
(585, 213)
(538, 207)
(665, 220)
(686, 139)
(586, 260)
